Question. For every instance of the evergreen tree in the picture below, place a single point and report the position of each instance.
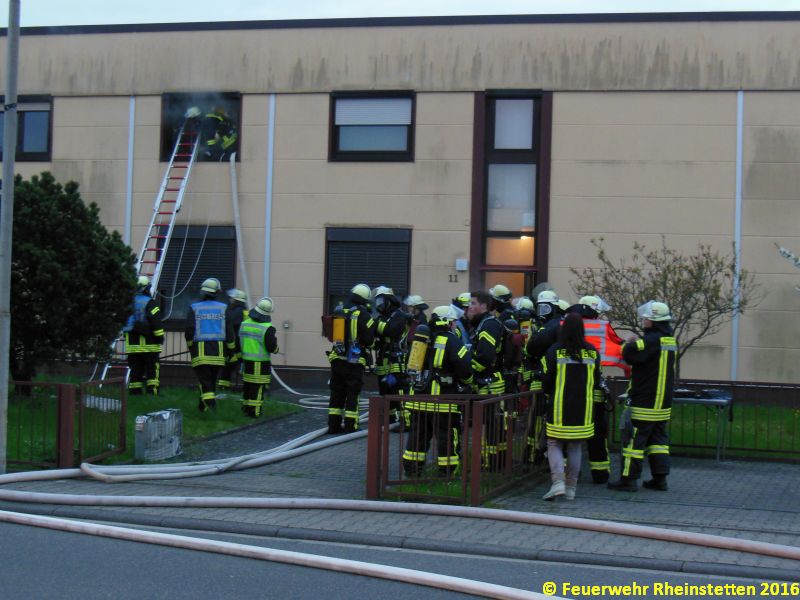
(72, 281)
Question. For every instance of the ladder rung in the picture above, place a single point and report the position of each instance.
(167, 201)
(168, 212)
(159, 237)
(149, 262)
(172, 190)
(156, 249)
(178, 177)
(183, 154)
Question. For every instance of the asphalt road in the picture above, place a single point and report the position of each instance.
(40, 563)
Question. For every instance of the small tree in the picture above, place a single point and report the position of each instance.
(699, 288)
(791, 257)
(71, 280)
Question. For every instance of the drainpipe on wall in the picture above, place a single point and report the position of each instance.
(737, 234)
(126, 234)
(268, 207)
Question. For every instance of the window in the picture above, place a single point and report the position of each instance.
(194, 254)
(219, 122)
(33, 128)
(372, 256)
(510, 246)
(372, 127)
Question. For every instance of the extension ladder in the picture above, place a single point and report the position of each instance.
(165, 212)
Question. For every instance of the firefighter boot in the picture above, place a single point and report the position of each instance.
(599, 476)
(658, 482)
(335, 424)
(625, 484)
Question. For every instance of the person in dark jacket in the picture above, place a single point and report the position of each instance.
(449, 372)
(348, 360)
(209, 338)
(571, 373)
(236, 313)
(144, 335)
(652, 359)
(390, 347)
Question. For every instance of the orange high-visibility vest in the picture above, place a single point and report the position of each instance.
(602, 336)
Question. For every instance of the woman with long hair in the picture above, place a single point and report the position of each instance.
(571, 374)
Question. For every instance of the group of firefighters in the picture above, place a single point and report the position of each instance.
(223, 338)
(487, 343)
(483, 343)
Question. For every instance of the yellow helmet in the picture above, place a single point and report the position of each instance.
(444, 313)
(142, 282)
(361, 290)
(416, 301)
(654, 311)
(264, 306)
(210, 286)
(237, 294)
(548, 296)
(524, 303)
(500, 292)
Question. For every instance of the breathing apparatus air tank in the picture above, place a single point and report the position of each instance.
(337, 327)
(419, 348)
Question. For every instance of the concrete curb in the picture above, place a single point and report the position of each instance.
(409, 543)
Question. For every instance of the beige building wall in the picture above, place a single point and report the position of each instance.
(431, 196)
(650, 152)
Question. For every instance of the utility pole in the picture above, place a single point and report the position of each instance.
(7, 216)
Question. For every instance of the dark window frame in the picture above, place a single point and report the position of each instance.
(366, 235)
(227, 278)
(485, 154)
(167, 142)
(336, 155)
(20, 155)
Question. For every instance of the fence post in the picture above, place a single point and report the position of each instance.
(476, 450)
(66, 426)
(374, 446)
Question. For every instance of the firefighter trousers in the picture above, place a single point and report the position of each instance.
(445, 427)
(207, 382)
(145, 370)
(347, 379)
(597, 446)
(642, 438)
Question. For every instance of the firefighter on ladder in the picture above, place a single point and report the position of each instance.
(144, 335)
(439, 364)
(209, 338)
(258, 342)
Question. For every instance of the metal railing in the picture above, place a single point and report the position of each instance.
(486, 450)
(762, 421)
(62, 424)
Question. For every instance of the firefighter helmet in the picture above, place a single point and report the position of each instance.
(524, 303)
(238, 295)
(548, 296)
(264, 306)
(362, 291)
(142, 282)
(500, 293)
(382, 290)
(416, 301)
(563, 305)
(596, 303)
(462, 300)
(193, 112)
(210, 286)
(443, 313)
(654, 311)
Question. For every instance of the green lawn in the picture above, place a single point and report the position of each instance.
(32, 421)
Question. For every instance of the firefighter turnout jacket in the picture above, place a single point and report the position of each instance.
(571, 381)
(390, 336)
(359, 335)
(258, 342)
(487, 348)
(209, 335)
(144, 331)
(450, 369)
(652, 359)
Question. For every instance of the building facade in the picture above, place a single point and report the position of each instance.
(438, 155)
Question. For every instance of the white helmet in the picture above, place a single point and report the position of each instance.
(654, 311)
(416, 301)
(596, 303)
(142, 282)
(524, 303)
(264, 306)
(445, 313)
(500, 292)
(361, 290)
(237, 294)
(382, 290)
(210, 285)
(548, 296)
